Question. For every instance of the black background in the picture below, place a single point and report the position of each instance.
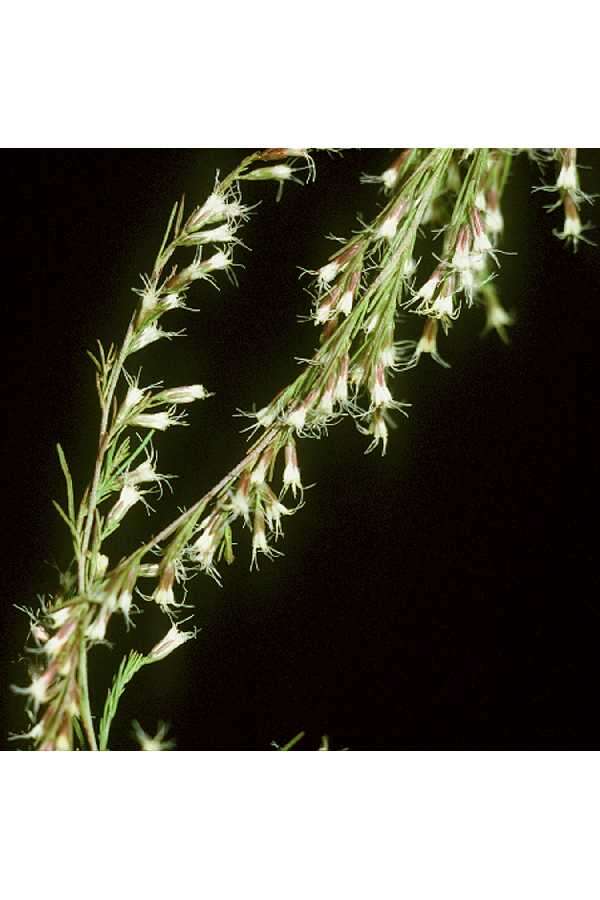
(439, 597)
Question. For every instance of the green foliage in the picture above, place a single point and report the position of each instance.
(129, 666)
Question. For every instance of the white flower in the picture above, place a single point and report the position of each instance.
(213, 209)
(259, 539)
(159, 421)
(371, 324)
(326, 402)
(462, 257)
(59, 617)
(428, 343)
(260, 470)
(380, 394)
(101, 565)
(427, 290)
(39, 687)
(573, 227)
(171, 301)
(345, 303)
(379, 431)
(480, 201)
(443, 305)
(324, 311)
(494, 221)
(387, 357)
(265, 417)
(280, 172)
(291, 473)
(204, 548)
(186, 394)
(274, 510)
(378, 428)
(147, 335)
(223, 234)
(388, 228)
(297, 417)
(144, 472)
(173, 639)
(128, 497)
(134, 396)
(97, 629)
(481, 243)
(62, 742)
(340, 390)
(239, 503)
(567, 177)
(57, 642)
(389, 178)
(38, 633)
(152, 744)
(124, 602)
(328, 272)
(409, 267)
(217, 262)
(497, 317)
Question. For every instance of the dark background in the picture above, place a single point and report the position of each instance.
(440, 597)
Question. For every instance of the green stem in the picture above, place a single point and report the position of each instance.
(86, 713)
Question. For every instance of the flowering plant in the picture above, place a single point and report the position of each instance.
(361, 299)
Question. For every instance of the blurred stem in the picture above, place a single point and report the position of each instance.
(86, 713)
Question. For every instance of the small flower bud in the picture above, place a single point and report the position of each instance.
(270, 173)
(371, 323)
(340, 391)
(100, 565)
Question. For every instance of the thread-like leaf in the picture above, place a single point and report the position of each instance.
(69, 481)
(127, 669)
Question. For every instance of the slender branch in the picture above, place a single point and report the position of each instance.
(84, 700)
